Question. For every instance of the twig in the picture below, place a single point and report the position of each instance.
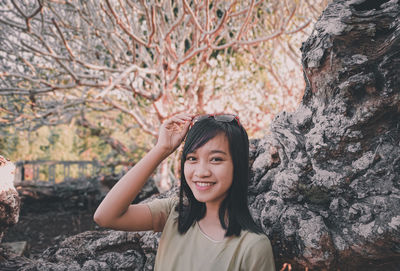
(122, 76)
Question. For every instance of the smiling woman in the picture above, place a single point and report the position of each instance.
(209, 226)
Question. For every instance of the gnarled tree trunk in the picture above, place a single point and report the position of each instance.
(326, 180)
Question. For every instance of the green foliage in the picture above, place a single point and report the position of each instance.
(9, 141)
(70, 142)
(120, 118)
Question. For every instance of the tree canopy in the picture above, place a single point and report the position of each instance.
(145, 59)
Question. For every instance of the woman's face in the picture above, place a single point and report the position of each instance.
(209, 170)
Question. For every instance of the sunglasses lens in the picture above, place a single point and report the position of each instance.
(224, 118)
(198, 118)
(221, 118)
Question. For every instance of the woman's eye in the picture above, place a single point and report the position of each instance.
(191, 158)
(216, 159)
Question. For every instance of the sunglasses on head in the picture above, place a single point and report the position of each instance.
(217, 117)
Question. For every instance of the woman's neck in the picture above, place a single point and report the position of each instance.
(210, 224)
(212, 212)
(211, 227)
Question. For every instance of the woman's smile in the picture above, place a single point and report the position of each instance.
(203, 185)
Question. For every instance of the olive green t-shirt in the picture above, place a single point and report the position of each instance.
(194, 250)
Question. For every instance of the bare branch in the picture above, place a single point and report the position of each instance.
(146, 128)
(27, 17)
(144, 59)
(132, 68)
(193, 17)
(63, 39)
(123, 26)
(153, 26)
(246, 20)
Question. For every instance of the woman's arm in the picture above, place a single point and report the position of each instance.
(116, 211)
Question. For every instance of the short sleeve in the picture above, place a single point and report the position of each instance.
(160, 210)
(259, 256)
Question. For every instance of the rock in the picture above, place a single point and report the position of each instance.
(91, 250)
(9, 200)
(97, 250)
(15, 248)
(50, 212)
(333, 200)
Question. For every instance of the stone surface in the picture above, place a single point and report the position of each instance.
(9, 200)
(90, 250)
(95, 250)
(15, 248)
(51, 212)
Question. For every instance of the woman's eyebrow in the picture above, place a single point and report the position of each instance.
(218, 151)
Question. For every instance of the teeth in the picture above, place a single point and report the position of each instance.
(204, 184)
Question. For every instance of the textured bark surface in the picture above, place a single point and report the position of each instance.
(325, 180)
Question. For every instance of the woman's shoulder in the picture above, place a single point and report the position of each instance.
(257, 252)
(249, 235)
(172, 200)
(161, 211)
(163, 204)
(251, 240)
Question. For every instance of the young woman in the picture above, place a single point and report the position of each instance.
(209, 226)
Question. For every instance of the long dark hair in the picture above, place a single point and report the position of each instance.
(235, 203)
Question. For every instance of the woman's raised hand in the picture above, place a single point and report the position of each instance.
(173, 131)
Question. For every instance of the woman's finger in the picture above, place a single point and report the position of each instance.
(172, 121)
(184, 117)
(181, 120)
(178, 122)
(185, 129)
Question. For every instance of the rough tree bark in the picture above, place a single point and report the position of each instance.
(325, 180)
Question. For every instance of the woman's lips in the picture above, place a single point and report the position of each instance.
(204, 185)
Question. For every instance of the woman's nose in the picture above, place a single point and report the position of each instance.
(202, 170)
